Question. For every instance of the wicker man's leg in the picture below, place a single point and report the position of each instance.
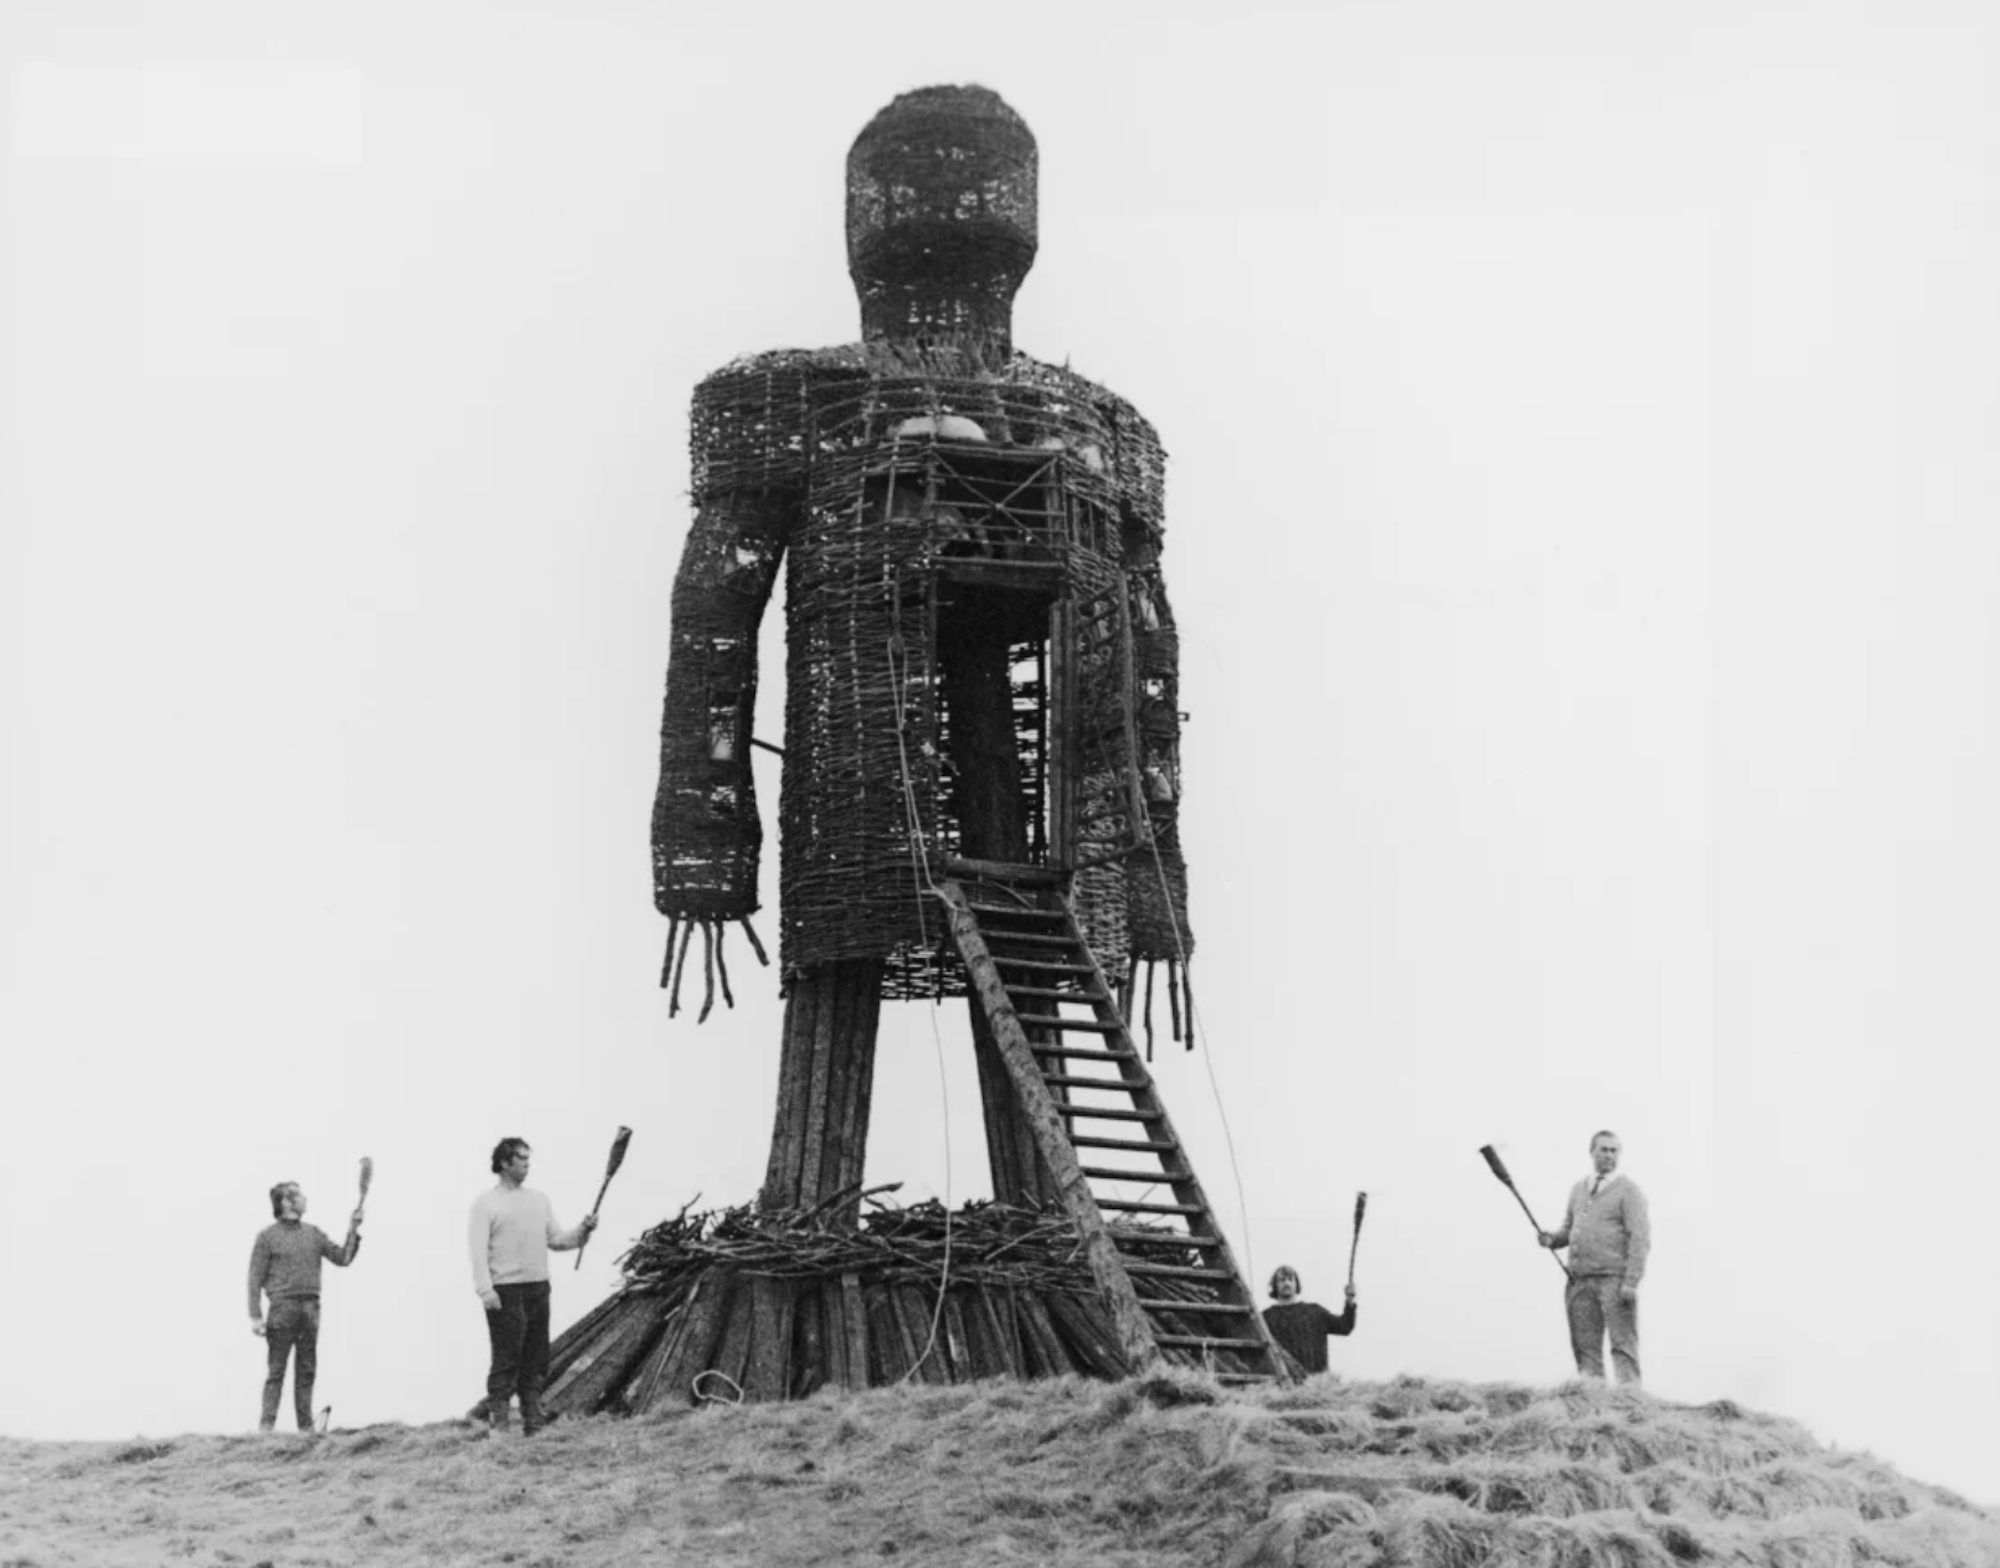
(826, 1072)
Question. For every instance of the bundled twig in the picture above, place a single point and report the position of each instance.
(991, 1243)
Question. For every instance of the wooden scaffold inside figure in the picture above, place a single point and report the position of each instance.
(981, 777)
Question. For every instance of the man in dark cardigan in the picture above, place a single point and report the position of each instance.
(1301, 1327)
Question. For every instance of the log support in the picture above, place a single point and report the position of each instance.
(826, 1074)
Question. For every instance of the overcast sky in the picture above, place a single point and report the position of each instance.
(1581, 520)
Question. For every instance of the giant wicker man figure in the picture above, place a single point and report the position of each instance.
(981, 662)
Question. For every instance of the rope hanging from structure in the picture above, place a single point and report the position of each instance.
(1208, 1061)
(920, 872)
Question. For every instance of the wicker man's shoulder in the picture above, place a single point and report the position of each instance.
(1137, 458)
(752, 419)
(747, 429)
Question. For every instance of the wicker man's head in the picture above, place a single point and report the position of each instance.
(941, 216)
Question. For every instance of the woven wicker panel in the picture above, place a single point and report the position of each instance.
(905, 476)
(802, 452)
(706, 830)
(941, 216)
(1157, 879)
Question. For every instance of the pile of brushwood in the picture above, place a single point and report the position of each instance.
(748, 1304)
(979, 1244)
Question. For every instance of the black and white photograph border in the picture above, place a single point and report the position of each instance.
(1576, 506)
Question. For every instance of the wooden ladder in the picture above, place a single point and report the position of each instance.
(1164, 1268)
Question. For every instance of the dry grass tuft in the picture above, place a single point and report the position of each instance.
(1167, 1387)
(1164, 1471)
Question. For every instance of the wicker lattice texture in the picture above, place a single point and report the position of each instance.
(905, 484)
(1157, 880)
(706, 828)
(941, 217)
(980, 659)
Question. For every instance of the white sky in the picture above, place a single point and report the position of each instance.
(1581, 521)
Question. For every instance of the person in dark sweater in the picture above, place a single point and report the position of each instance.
(1301, 1327)
(284, 1265)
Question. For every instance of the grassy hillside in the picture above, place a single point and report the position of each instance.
(1165, 1472)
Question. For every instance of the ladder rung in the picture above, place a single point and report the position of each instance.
(1016, 911)
(1071, 1081)
(1131, 1206)
(1102, 1174)
(1066, 1109)
(1207, 1308)
(1052, 1021)
(1207, 1342)
(1086, 1053)
(1167, 1243)
(1143, 1236)
(1032, 938)
(1173, 1270)
(1092, 997)
(1041, 965)
(1150, 1146)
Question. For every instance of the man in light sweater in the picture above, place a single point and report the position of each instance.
(284, 1264)
(1608, 1236)
(513, 1232)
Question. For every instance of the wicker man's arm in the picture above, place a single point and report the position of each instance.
(1156, 877)
(706, 831)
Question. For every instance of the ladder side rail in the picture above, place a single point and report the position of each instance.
(1038, 1105)
(1186, 1185)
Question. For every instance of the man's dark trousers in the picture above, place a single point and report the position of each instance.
(293, 1326)
(520, 1335)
